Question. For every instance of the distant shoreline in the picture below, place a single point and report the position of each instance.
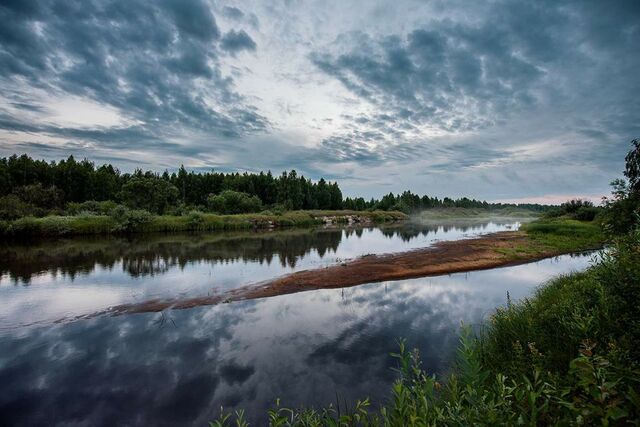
(62, 226)
(135, 222)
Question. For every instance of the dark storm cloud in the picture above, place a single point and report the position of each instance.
(155, 62)
(468, 75)
(235, 41)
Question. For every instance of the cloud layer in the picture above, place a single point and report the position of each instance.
(156, 64)
(494, 100)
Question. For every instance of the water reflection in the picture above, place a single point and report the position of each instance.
(42, 282)
(150, 255)
(179, 367)
(156, 254)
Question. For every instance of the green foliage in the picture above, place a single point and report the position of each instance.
(586, 213)
(196, 220)
(124, 220)
(92, 207)
(619, 269)
(150, 193)
(12, 207)
(632, 167)
(573, 206)
(581, 210)
(623, 209)
(47, 226)
(234, 202)
(130, 220)
(564, 235)
(181, 192)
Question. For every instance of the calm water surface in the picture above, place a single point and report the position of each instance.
(180, 366)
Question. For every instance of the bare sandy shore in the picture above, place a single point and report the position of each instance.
(489, 251)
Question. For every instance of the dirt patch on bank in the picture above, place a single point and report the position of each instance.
(489, 251)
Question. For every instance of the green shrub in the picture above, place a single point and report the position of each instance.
(572, 206)
(130, 220)
(619, 271)
(195, 220)
(45, 198)
(278, 209)
(586, 213)
(55, 225)
(150, 193)
(27, 226)
(91, 207)
(234, 202)
(554, 213)
(12, 207)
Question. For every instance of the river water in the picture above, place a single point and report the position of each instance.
(180, 366)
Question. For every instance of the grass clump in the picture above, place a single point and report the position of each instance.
(564, 235)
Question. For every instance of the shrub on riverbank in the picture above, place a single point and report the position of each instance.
(566, 356)
(234, 202)
(582, 210)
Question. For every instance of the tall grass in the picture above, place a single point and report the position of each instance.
(566, 356)
(564, 234)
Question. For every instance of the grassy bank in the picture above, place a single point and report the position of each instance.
(568, 355)
(136, 221)
(556, 236)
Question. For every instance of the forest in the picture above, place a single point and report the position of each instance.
(31, 187)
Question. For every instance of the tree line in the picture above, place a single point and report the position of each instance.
(36, 187)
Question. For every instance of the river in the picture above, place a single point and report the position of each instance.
(180, 366)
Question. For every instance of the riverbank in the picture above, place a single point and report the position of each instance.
(128, 222)
(540, 240)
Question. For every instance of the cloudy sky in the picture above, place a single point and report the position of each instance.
(499, 100)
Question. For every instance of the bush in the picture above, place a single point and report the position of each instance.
(195, 220)
(554, 213)
(572, 206)
(150, 193)
(278, 209)
(581, 210)
(27, 226)
(12, 207)
(55, 225)
(234, 202)
(130, 220)
(586, 213)
(42, 197)
(619, 271)
(92, 207)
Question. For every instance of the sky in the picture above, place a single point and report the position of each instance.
(500, 100)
